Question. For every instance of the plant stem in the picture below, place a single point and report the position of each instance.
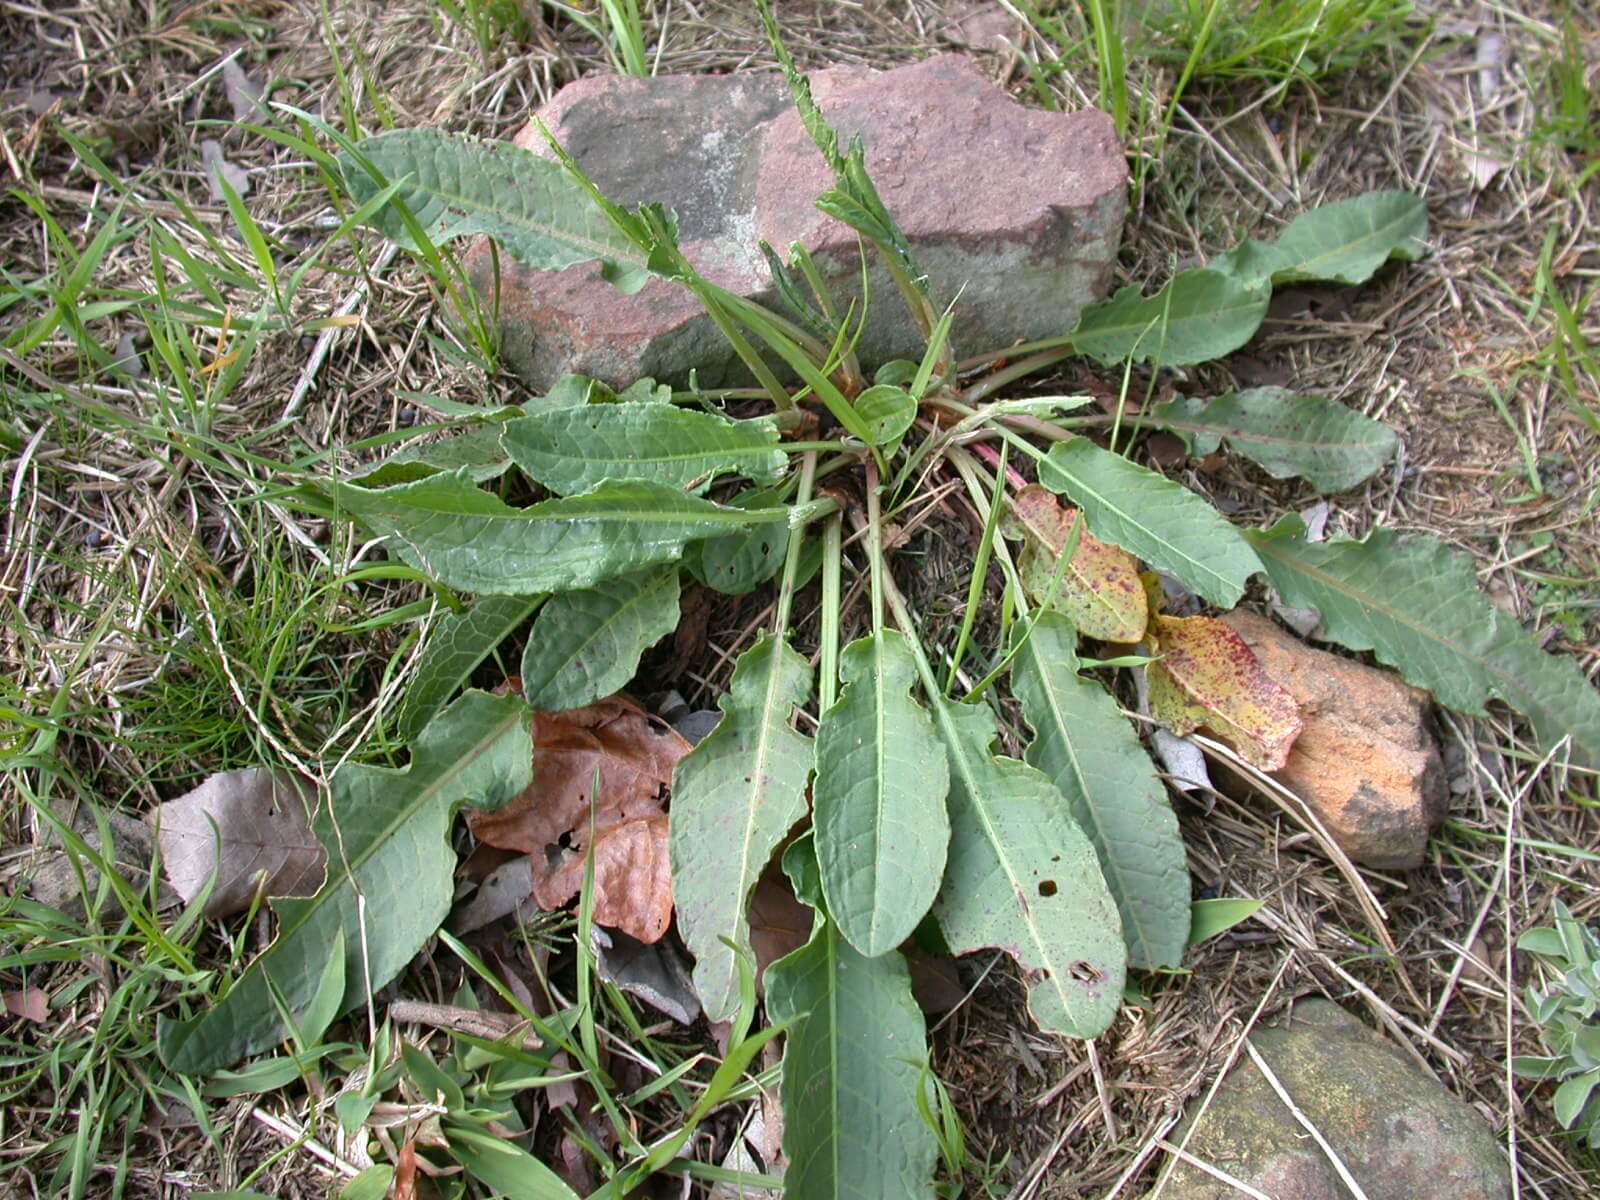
(996, 380)
(832, 553)
(791, 562)
(874, 545)
(980, 573)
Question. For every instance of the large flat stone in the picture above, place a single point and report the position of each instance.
(1399, 1134)
(1017, 211)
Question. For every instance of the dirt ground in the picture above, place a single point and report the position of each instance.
(1452, 352)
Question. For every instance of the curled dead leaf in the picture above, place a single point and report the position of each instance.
(1209, 677)
(635, 754)
(29, 1003)
(1099, 590)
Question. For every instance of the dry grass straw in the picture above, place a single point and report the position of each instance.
(101, 534)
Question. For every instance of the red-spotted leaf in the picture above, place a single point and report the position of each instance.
(1208, 677)
(1099, 590)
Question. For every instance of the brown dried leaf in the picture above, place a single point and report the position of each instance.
(779, 923)
(636, 754)
(29, 1003)
(259, 819)
(1208, 676)
(1099, 591)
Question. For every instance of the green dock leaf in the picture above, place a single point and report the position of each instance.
(587, 644)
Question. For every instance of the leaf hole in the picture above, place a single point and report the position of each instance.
(1047, 887)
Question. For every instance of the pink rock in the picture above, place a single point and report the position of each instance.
(1016, 211)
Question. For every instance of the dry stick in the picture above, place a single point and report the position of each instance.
(491, 1026)
(1216, 1173)
(315, 1148)
(1179, 1150)
(1306, 1123)
(319, 352)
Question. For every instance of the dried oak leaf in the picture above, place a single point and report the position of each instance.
(635, 753)
(1209, 677)
(250, 828)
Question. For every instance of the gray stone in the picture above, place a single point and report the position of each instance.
(1017, 211)
(1400, 1134)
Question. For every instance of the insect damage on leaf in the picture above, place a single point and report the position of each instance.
(1208, 677)
(550, 821)
(1099, 589)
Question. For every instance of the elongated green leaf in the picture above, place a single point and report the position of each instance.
(734, 798)
(1200, 315)
(880, 820)
(470, 539)
(456, 185)
(1343, 242)
(850, 1074)
(586, 645)
(1415, 603)
(1162, 522)
(1024, 878)
(1331, 446)
(507, 1169)
(455, 648)
(1087, 748)
(571, 449)
(477, 449)
(1208, 918)
(389, 879)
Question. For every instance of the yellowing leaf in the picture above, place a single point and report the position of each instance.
(1208, 676)
(1099, 590)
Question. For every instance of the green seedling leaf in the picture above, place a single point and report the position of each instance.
(1024, 878)
(570, 450)
(1208, 918)
(503, 1166)
(888, 412)
(1209, 677)
(371, 1184)
(851, 1073)
(586, 645)
(1099, 589)
(456, 186)
(734, 798)
(478, 451)
(1333, 447)
(1343, 242)
(455, 648)
(1200, 315)
(879, 814)
(1415, 603)
(1151, 517)
(389, 883)
(1087, 748)
(470, 539)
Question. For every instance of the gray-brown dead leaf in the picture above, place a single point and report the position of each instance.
(219, 169)
(243, 90)
(249, 829)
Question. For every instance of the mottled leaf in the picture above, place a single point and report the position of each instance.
(389, 879)
(1088, 749)
(852, 1128)
(1165, 524)
(471, 539)
(570, 450)
(1099, 588)
(1199, 316)
(249, 830)
(455, 648)
(1024, 878)
(1331, 446)
(734, 799)
(1343, 242)
(455, 186)
(878, 799)
(587, 644)
(1208, 677)
(1415, 603)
